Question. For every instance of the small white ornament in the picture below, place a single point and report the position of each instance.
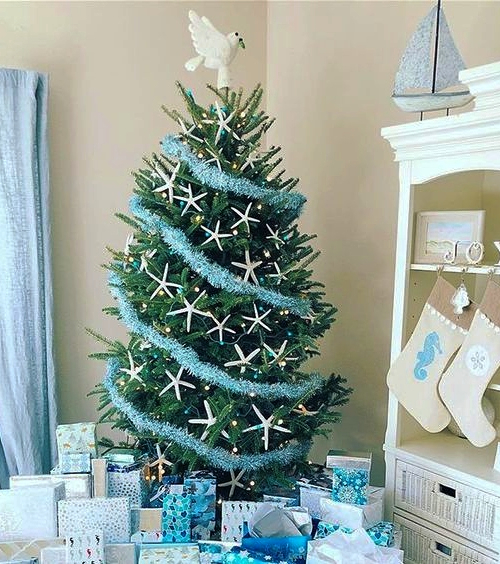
(214, 49)
(209, 421)
(243, 360)
(190, 310)
(475, 252)
(220, 327)
(176, 382)
(266, 425)
(134, 370)
(190, 200)
(162, 284)
(215, 235)
(249, 267)
(244, 217)
(234, 482)
(460, 299)
(257, 320)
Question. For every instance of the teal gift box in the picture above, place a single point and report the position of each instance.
(242, 556)
(176, 515)
(212, 552)
(202, 486)
(351, 476)
(382, 534)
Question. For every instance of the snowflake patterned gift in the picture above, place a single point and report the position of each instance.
(351, 476)
(176, 515)
(355, 516)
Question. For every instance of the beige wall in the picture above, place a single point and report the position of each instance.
(331, 67)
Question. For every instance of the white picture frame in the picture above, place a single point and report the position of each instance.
(437, 232)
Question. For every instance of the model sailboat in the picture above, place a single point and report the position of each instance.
(431, 62)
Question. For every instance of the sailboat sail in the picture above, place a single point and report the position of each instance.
(415, 69)
(449, 60)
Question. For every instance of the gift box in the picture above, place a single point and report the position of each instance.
(122, 456)
(355, 516)
(99, 477)
(145, 519)
(30, 512)
(53, 555)
(176, 515)
(310, 498)
(127, 484)
(324, 529)
(77, 437)
(356, 547)
(212, 552)
(287, 501)
(281, 549)
(187, 553)
(27, 549)
(145, 537)
(243, 556)
(111, 515)
(157, 490)
(123, 553)
(202, 486)
(235, 514)
(85, 548)
(76, 485)
(75, 463)
(382, 534)
(350, 475)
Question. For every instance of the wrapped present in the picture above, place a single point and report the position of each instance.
(356, 548)
(350, 475)
(75, 463)
(279, 533)
(212, 552)
(145, 519)
(310, 498)
(24, 561)
(53, 555)
(85, 547)
(157, 490)
(123, 553)
(382, 534)
(286, 500)
(122, 456)
(127, 484)
(76, 485)
(27, 549)
(99, 477)
(111, 515)
(235, 514)
(202, 486)
(176, 515)
(187, 553)
(355, 516)
(30, 512)
(77, 437)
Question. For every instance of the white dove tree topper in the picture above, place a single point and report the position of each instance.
(215, 50)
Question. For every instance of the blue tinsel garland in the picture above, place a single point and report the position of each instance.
(218, 276)
(211, 176)
(188, 358)
(216, 456)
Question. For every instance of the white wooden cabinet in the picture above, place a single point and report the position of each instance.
(443, 491)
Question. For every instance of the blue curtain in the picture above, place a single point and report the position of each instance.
(27, 386)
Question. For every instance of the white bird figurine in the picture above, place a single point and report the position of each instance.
(214, 49)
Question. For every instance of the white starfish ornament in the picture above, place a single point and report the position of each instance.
(257, 320)
(234, 482)
(243, 361)
(215, 235)
(189, 310)
(134, 370)
(209, 421)
(214, 49)
(221, 327)
(162, 284)
(249, 267)
(266, 425)
(176, 383)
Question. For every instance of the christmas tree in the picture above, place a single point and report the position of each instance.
(215, 288)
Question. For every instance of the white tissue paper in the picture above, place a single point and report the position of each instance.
(354, 516)
(353, 548)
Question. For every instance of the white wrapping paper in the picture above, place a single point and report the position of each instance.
(354, 548)
(354, 516)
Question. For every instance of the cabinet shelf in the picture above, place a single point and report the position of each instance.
(493, 269)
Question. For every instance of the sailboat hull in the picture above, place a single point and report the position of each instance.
(430, 102)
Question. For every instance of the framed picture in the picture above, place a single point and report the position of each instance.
(438, 232)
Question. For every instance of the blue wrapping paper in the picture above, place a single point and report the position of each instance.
(157, 490)
(75, 463)
(350, 485)
(202, 486)
(212, 552)
(176, 516)
(292, 550)
(382, 534)
(243, 556)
